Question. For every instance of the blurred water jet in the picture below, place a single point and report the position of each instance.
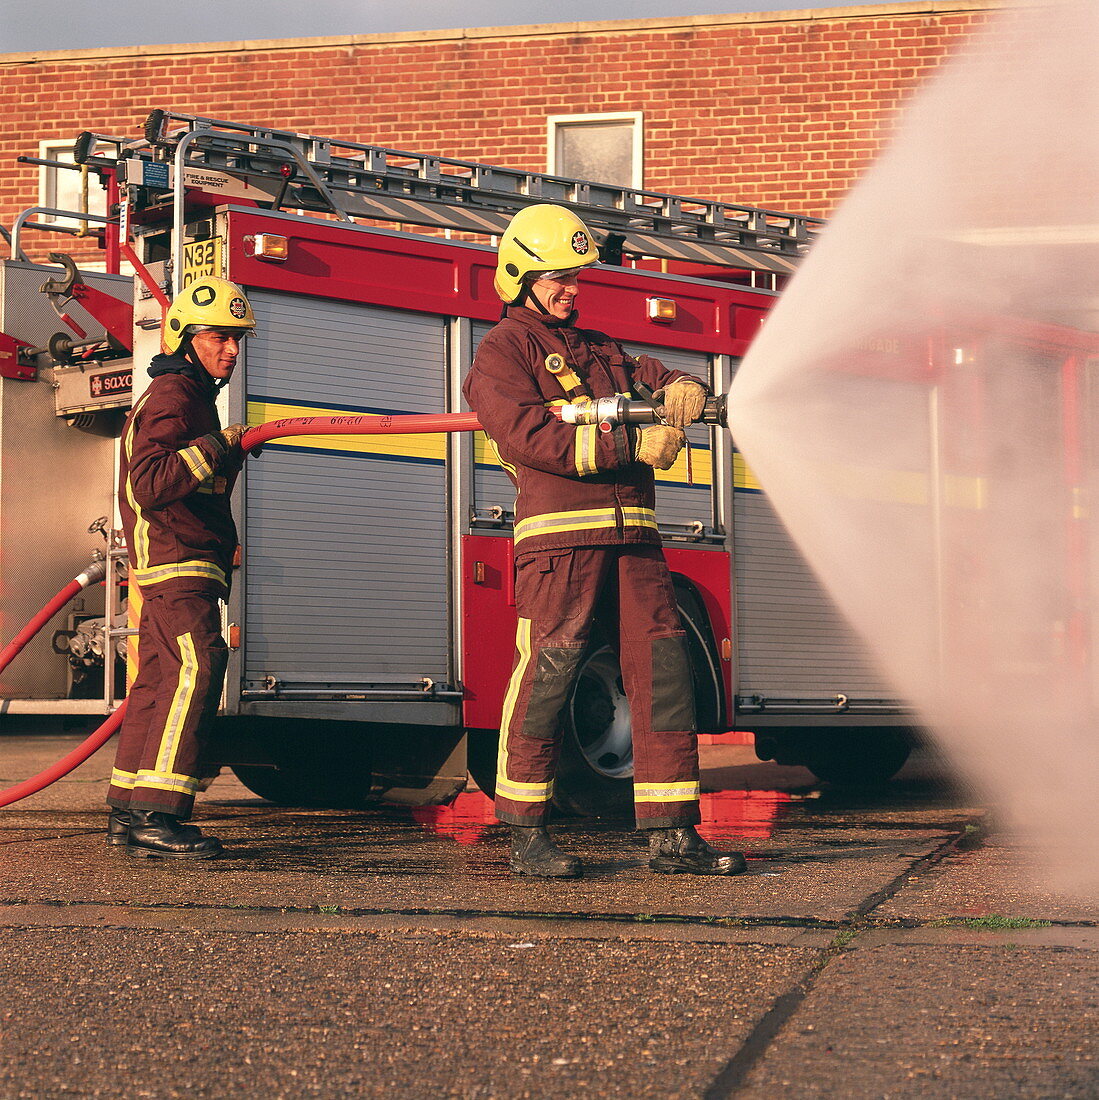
(921, 409)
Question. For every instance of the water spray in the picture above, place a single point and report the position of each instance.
(919, 408)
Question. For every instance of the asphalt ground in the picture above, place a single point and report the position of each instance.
(884, 944)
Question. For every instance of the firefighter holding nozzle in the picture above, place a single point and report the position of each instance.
(586, 545)
(178, 466)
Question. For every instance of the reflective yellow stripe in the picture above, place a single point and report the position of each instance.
(509, 788)
(682, 791)
(140, 550)
(496, 451)
(123, 779)
(584, 520)
(590, 519)
(134, 604)
(206, 570)
(181, 705)
(522, 644)
(524, 792)
(199, 465)
(586, 437)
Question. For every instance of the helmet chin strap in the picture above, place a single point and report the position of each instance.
(529, 298)
(187, 350)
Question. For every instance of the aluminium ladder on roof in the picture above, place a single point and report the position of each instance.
(350, 179)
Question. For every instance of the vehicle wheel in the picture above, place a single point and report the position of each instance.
(595, 772)
(324, 769)
(857, 757)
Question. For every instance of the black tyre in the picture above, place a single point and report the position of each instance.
(857, 757)
(312, 767)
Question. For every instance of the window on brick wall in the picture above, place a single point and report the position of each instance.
(60, 188)
(604, 148)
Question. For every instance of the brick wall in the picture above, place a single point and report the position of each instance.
(782, 109)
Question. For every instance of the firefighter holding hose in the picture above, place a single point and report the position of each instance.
(586, 544)
(178, 466)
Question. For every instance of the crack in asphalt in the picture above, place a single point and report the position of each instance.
(808, 924)
(733, 1076)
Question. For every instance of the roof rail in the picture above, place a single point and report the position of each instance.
(348, 179)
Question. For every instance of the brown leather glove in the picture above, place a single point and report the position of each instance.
(231, 436)
(683, 402)
(658, 444)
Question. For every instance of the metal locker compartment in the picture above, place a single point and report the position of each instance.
(679, 504)
(345, 562)
(792, 641)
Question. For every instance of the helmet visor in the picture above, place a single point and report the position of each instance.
(568, 273)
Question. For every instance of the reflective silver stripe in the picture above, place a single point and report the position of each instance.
(666, 792)
(586, 450)
(592, 519)
(524, 792)
(586, 520)
(178, 784)
(199, 465)
(639, 517)
(206, 570)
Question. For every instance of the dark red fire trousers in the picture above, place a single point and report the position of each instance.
(558, 594)
(181, 668)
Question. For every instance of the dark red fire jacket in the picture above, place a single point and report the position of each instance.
(577, 486)
(174, 484)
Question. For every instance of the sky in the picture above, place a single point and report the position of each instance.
(33, 25)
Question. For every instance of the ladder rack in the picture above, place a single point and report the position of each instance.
(286, 169)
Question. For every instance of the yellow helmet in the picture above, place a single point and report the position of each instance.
(541, 238)
(209, 303)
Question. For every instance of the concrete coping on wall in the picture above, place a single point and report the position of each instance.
(904, 8)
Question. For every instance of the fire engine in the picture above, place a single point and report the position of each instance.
(372, 615)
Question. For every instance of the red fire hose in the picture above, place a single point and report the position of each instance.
(92, 575)
(412, 424)
(254, 437)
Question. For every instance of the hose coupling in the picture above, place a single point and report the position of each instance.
(96, 571)
(603, 409)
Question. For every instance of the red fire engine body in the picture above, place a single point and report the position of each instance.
(372, 618)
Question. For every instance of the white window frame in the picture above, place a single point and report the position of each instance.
(637, 120)
(49, 178)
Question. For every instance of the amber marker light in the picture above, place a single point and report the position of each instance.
(268, 246)
(661, 309)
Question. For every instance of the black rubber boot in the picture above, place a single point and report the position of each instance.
(681, 851)
(164, 836)
(118, 828)
(534, 853)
